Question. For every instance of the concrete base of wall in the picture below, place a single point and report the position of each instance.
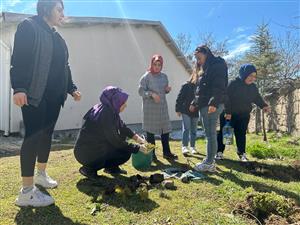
(71, 135)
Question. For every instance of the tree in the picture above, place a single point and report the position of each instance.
(264, 56)
(218, 48)
(184, 42)
(234, 65)
(288, 48)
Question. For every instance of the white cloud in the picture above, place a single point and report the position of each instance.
(249, 38)
(238, 50)
(240, 29)
(237, 38)
(211, 12)
(13, 3)
(29, 8)
(21, 6)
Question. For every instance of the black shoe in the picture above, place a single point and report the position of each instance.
(89, 172)
(156, 178)
(170, 156)
(115, 170)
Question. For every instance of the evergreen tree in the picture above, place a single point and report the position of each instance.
(264, 56)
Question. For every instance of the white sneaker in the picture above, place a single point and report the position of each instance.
(244, 157)
(45, 181)
(185, 150)
(219, 156)
(34, 198)
(201, 167)
(193, 150)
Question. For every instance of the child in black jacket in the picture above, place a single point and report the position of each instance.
(189, 119)
(242, 93)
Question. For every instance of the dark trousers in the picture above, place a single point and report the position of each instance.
(39, 125)
(102, 158)
(164, 141)
(239, 122)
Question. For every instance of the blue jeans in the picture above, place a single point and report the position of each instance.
(189, 130)
(209, 122)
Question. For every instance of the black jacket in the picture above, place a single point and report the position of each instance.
(32, 61)
(104, 135)
(185, 98)
(211, 86)
(241, 97)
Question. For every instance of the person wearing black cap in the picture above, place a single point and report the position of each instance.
(242, 93)
(209, 100)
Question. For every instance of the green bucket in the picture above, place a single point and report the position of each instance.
(141, 160)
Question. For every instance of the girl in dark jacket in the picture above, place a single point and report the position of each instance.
(41, 79)
(242, 93)
(210, 98)
(102, 139)
(189, 119)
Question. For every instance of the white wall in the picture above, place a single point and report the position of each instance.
(7, 35)
(4, 86)
(106, 54)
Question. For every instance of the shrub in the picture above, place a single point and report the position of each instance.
(271, 203)
(262, 151)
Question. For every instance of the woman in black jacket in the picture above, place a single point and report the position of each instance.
(242, 93)
(102, 139)
(189, 119)
(41, 79)
(210, 99)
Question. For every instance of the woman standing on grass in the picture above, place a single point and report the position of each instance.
(41, 79)
(242, 93)
(210, 99)
(153, 87)
(189, 119)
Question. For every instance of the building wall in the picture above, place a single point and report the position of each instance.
(12, 113)
(118, 55)
(4, 86)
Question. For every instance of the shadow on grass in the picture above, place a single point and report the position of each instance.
(100, 192)
(10, 153)
(272, 171)
(44, 215)
(258, 186)
(159, 165)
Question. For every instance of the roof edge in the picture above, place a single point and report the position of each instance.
(11, 17)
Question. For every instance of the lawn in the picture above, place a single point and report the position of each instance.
(209, 201)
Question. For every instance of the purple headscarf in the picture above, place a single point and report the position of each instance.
(111, 97)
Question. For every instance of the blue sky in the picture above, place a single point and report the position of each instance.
(232, 20)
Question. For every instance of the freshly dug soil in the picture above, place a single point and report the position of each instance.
(276, 172)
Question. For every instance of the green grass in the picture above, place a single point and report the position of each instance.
(274, 148)
(209, 201)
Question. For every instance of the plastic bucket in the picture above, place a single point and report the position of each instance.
(141, 160)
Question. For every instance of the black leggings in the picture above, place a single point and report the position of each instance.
(107, 157)
(239, 122)
(39, 125)
(164, 141)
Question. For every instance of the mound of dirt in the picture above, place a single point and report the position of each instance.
(269, 209)
(277, 172)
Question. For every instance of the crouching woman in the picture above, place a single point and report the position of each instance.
(102, 139)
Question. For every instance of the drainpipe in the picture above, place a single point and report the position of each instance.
(8, 89)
